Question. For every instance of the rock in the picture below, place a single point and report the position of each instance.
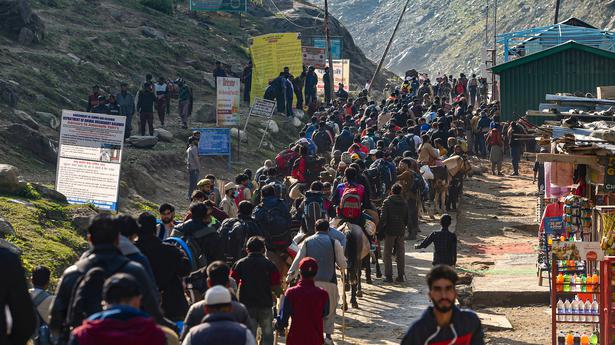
(8, 93)
(6, 228)
(143, 142)
(31, 140)
(299, 113)
(163, 135)
(243, 135)
(26, 36)
(49, 193)
(47, 119)
(74, 57)
(209, 79)
(8, 245)
(141, 181)
(273, 126)
(206, 113)
(26, 119)
(81, 223)
(9, 179)
(297, 122)
(150, 32)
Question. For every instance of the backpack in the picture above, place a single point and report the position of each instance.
(277, 222)
(42, 335)
(369, 142)
(310, 131)
(350, 203)
(376, 187)
(313, 167)
(386, 172)
(284, 161)
(313, 209)
(411, 146)
(232, 236)
(87, 294)
(418, 184)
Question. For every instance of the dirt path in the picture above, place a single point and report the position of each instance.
(497, 216)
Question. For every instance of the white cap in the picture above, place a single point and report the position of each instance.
(217, 295)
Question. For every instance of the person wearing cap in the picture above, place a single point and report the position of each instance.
(445, 243)
(126, 102)
(193, 164)
(217, 274)
(145, 107)
(307, 325)
(121, 322)
(328, 252)
(219, 326)
(93, 98)
(262, 171)
(101, 107)
(228, 201)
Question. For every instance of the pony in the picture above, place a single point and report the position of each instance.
(443, 176)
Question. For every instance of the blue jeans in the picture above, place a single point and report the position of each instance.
(482, 146)
(515, 153)
(193, 179)
(263, 318)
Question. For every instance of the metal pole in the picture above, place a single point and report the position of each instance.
(386, 50)
(487, 25)
(495, 25)
(329, 54)
(557, 2)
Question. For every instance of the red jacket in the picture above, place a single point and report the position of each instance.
(307, 304)
(299, 169)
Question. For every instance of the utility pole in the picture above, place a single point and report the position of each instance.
(494, 53)
(495, 23)
(329, 54)
(386, 50)
(557, 2)
(487, 25)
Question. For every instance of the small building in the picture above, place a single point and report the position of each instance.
(570, 67)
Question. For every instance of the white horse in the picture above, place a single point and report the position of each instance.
(443, 176)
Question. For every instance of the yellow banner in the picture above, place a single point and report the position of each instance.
(270, 54)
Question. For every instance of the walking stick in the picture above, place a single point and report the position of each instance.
(344, 304)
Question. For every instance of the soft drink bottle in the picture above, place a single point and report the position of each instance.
(569, 339)
(583, 283)
(559, 282)
(593, 340)
(566, 283)
(561, 338)
(577, 338)
(584, 339)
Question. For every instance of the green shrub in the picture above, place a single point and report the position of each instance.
(164, 6)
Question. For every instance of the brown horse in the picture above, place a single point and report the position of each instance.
(443, 176)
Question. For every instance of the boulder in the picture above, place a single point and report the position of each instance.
(297, 122)
(8, 245)
(6, 228)
(32, 140)
(48, 119)
(49, 193)
(143, 142)
(206, 113)
(163, 135)
(9, 179)
(81, 222)
(8, 93)
(273, 126)
(26, 36)
(150, 32)
(299, 113)
(26, 119)
(242, 134)
(209, 79)
(18, 20)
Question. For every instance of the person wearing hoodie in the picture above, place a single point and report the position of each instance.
(15, 301)
(273, 217)
(344, 140)
(169, 265)
(121, 322)
(392, 227)
(129, 227)
(444, 323)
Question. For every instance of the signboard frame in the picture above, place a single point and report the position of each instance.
(313, 56)
(343, 67)
(209, 134)
(89, 146)
(337, 45)
(202, 5)
(228, 101)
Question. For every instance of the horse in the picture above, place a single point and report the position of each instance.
(443, 176)
(357, 249)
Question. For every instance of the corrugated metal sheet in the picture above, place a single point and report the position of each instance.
(524, 87)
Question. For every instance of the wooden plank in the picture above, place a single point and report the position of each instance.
(564, 158)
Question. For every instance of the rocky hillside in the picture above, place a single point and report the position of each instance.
(447, 35)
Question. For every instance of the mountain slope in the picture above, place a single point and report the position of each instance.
(447, 35)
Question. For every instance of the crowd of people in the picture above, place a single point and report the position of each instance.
(262, 256)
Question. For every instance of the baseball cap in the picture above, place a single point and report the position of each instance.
(308, 265)
(120, 286)
(229, 186)
(204, 182)
(217, 295)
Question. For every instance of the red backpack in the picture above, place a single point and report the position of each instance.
(350, 203)
(284, 161)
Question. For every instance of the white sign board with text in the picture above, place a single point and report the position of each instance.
(227, 101)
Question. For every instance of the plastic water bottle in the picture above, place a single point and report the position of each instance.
(573, 281)
(560, 311)
(582, 316)
(575, 310)
(568, 311)
(596, 311)
(588, 311)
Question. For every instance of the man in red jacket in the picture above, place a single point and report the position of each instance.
(308, 305)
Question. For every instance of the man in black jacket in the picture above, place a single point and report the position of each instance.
(391, 228)
(344, 140)
(103, 235)
(145, 108)
(169, 265)
(444, 323)
(445, 244)
(14, 295)
(201, 235)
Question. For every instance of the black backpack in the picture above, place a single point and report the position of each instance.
(313, 167)
(411, 147)
(376, 185)
(276, 221)
(42, 335)
(322, 140)
(313, 210)
(86, 297)
(232, 236)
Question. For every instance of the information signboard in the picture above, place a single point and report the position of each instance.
(313, 57)
(90, 157)
(219, 5)
(227, 101)
(609, 174)
(215, 142)
(262, 108)
(336, 46)
(341, 74)
(270, 54)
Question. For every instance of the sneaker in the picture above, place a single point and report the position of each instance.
(388, 279)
